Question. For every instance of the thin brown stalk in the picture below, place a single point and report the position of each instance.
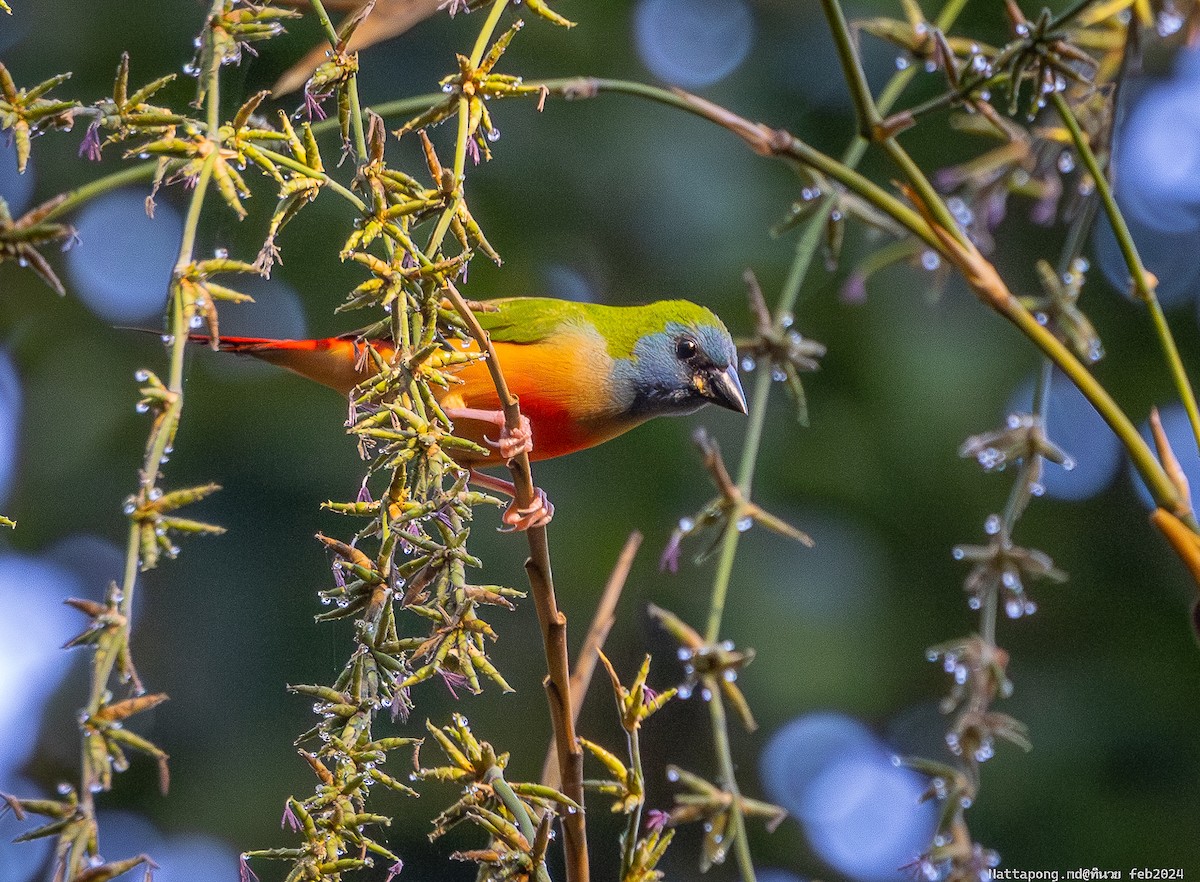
(550, 617)
(589, 653)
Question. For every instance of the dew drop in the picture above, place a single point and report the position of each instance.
(730, 676)
(130, 506)
(493, 134)
(958, 553)
(901, 62)
(142, 407)
(221, 253)
(63, 788)
(930, 260)
(974, 603)
(1068, 464)
(155, 494)
(778, 374)
(1013, 608)
(672, 775)
(686, 525)
(168, 339)
(991, 459)
(448, 88)
(930, 66)
(931, 655)
(141, 375)
(991, 526)
(684, 692)
(1168, 22)
(748, 363)
(744, 524)
(195, 321)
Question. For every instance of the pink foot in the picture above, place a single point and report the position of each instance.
(513, 444)
(538, 514)
(510, 444)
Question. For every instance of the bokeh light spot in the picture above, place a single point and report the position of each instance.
(859, 810)
(693, 43)
(10, 422)
(32, 662)
(122, 263)
(181, 857)
(1157, 164)
(1075, 426)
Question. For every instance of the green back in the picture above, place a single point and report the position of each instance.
(532, 319)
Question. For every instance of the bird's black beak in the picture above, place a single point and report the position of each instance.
(724, 388)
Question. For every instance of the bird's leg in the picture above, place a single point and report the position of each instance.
(539, 513)
(510, 444)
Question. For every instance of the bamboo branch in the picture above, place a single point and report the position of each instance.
(553, 622)
(589, 653)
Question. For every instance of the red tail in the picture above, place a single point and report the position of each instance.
(333, 361)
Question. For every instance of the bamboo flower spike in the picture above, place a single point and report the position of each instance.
(20, 239)
(729, 505)
(26, 112)
(785, 352)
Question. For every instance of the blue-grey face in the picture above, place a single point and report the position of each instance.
(679, 369)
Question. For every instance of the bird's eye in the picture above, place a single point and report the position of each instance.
(685, 348)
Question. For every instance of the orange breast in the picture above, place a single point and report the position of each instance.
(562, 387)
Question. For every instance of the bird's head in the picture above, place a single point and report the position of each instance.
(681, 358)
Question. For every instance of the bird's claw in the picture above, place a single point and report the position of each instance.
(538, 514)
(513, 444)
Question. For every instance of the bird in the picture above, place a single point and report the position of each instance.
(584, 373)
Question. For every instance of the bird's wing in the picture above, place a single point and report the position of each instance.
(528, 319)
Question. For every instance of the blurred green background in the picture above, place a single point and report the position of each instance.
(620, 201)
